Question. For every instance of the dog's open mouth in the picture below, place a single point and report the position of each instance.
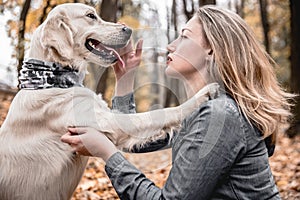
(105, 51)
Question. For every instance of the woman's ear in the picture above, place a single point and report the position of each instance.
(57, 35)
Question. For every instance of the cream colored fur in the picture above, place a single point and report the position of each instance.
(34, 163)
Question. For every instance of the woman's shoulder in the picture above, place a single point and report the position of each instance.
(216, 117)
(224, 104)
(222, 111)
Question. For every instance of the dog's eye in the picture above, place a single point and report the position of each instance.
(91, 15)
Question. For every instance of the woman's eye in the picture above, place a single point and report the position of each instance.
(91, 15)
(183, 36)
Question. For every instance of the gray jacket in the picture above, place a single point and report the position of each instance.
(217, 154)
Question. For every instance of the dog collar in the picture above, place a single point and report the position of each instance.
(37, 74)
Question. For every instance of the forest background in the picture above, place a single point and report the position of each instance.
(275, 22)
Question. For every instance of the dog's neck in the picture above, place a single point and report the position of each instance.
(38, 74)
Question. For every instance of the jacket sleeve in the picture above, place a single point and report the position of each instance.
(124, 104)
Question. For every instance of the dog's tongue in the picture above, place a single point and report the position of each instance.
(120, 60)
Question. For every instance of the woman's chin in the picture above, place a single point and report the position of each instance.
(171, 72)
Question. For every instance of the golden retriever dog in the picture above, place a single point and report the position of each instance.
(34, 163)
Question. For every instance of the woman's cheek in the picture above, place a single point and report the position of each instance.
(178, 67)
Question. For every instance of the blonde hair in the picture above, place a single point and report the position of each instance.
(246, 70)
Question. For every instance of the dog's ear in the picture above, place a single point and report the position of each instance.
(57, 34)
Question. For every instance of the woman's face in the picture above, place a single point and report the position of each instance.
(189, 53)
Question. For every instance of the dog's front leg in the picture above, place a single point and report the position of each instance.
(127, 129)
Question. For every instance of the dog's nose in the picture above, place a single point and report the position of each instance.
(127, 30)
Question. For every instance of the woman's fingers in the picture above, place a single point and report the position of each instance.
(70, 139)
(139, 48)
(125, 50)
(129, 47)
(77, 130)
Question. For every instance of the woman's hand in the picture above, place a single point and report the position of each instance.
(89, 142)
(131, 58)
(125, 75)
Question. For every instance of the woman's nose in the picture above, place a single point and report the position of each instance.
(171, 48)
(173, 45)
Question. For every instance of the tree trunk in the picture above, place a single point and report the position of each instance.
(206, 2)
(45, 9)
(265, 23)
(21, 34)
(174, 15)
(188, 13)
(108, 12)
(295, 63)
(240, 8)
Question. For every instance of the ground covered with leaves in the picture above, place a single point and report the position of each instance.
(95, 185)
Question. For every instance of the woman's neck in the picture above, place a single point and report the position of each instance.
(194, 83)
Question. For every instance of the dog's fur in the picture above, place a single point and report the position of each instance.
(34, 163)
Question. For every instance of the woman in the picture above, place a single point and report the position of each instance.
(220, 151)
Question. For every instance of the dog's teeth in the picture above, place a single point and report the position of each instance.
(111, 53)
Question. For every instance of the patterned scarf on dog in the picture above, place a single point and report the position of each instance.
(37, 74)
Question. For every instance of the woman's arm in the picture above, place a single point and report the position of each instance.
(125, 74)
(123, 101)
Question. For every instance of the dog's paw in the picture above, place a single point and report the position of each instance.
(211, 90)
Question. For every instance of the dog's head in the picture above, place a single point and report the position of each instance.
(73, 34)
